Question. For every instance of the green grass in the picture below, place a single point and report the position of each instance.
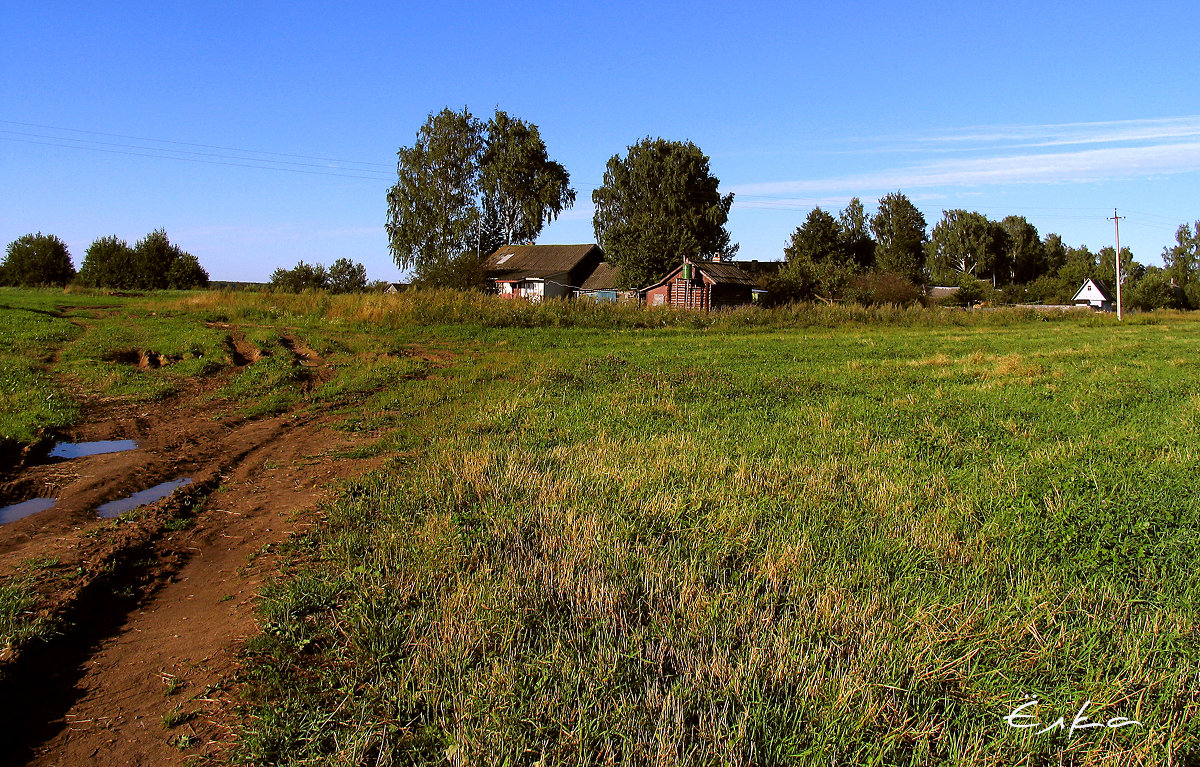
(797, 536)
(18, 622)
(711, 547)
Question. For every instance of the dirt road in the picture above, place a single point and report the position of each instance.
(154, 605)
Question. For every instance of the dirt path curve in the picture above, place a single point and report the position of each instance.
(141, 675)
(171, 657)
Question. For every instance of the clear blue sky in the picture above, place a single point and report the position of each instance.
(1059, 114)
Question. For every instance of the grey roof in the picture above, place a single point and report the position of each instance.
(604, 278)
(726, 272)
(1101, 285)
(720, 272)
(517, 262)
(942, 291)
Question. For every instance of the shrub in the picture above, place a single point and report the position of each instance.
(884, 288)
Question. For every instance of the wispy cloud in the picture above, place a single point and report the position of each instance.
(1073, 153)
(1066, 134)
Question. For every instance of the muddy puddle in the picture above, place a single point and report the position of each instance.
(98, 447)
(24, 509)
(141, 498)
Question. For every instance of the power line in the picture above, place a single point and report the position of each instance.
(174, 153)
(201, 146)
(197, 160)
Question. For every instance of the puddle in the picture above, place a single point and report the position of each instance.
(24, 509)
(83, 449)
(150, 495)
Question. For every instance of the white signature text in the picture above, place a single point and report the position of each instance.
(1080, 722)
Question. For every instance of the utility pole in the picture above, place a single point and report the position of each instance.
(1117, 223)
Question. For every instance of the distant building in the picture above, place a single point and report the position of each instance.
(939, 293)
(536, 272)
(1095, 294)
(395, 287)
(703, 285)
(601, 286)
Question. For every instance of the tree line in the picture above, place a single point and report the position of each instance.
(1005, 261)
(465, 188)
(152, 263)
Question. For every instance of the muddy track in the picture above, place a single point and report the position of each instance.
(153, 607)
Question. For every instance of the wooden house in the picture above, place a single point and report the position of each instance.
(535, 272)
(601, 286)
(703, 285)
(1095, 294)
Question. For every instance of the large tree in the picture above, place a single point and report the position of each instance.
(37, 259)
(856, 234)
(965, 243)
(346, 276)
(899, 230)
(1023, 250)
(819, 250)
(464, 188)
(659, 205)
(817, 240)
(107, 263)
(157, 263)
(1183, 258)
(523, 189)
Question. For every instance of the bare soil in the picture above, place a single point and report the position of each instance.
(155, 605)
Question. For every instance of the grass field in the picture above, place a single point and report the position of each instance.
(812, 536)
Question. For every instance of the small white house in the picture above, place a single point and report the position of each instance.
(1095, 294)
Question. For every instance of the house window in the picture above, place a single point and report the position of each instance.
(503, 258)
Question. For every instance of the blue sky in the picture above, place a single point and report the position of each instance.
(259, 134)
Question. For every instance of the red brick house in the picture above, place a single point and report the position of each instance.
(703, 285)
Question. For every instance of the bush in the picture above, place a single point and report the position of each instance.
(37, 259)
(883, 289)
(1155, 291)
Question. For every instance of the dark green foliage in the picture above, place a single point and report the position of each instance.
(1155, 290)
(1054, 253)
(343, 276)
(464, 189)
(300, 278)
(186, 273)
(877, 288)
(818, 250)
(108, 263)
(1054, 291)
(817, 241)
(346, 276)
(154, 263)
(522, 187)
(432, 219)
(1078, 264)
(659, 205)
(1024, 252)
(794, 282)
(971, 292)
(1183, 258)
(37, 259)
(855, 234)
(899, 230)
(1106, 269)
(966, 243)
